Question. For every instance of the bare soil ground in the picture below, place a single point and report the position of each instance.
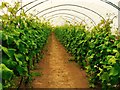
(57, 71)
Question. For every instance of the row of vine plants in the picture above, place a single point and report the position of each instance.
(23, 38)
(97, 51)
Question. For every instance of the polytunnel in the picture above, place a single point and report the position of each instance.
(60, 44)
(91, 11)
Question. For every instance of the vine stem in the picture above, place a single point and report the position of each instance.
(20, 83)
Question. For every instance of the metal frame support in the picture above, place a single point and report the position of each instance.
(74, 6)
(64, 18)
(26, 5)
(36, 5)
(70, 10)
(105, 1)
(65, 14)
(112, 4)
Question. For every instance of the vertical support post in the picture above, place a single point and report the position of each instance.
(119, 18)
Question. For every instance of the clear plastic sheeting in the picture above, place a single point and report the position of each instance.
(119, 17)
(58, 12)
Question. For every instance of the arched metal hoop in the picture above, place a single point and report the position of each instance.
(108, 2)
(71, 5)
(36, 5)
(69, 10)
(69, 15)
(50, 17)
(26, 5)
(63, 17)
(112, 4)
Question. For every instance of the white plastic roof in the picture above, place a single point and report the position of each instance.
(67, 10)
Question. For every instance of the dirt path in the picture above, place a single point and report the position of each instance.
(57, 70)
